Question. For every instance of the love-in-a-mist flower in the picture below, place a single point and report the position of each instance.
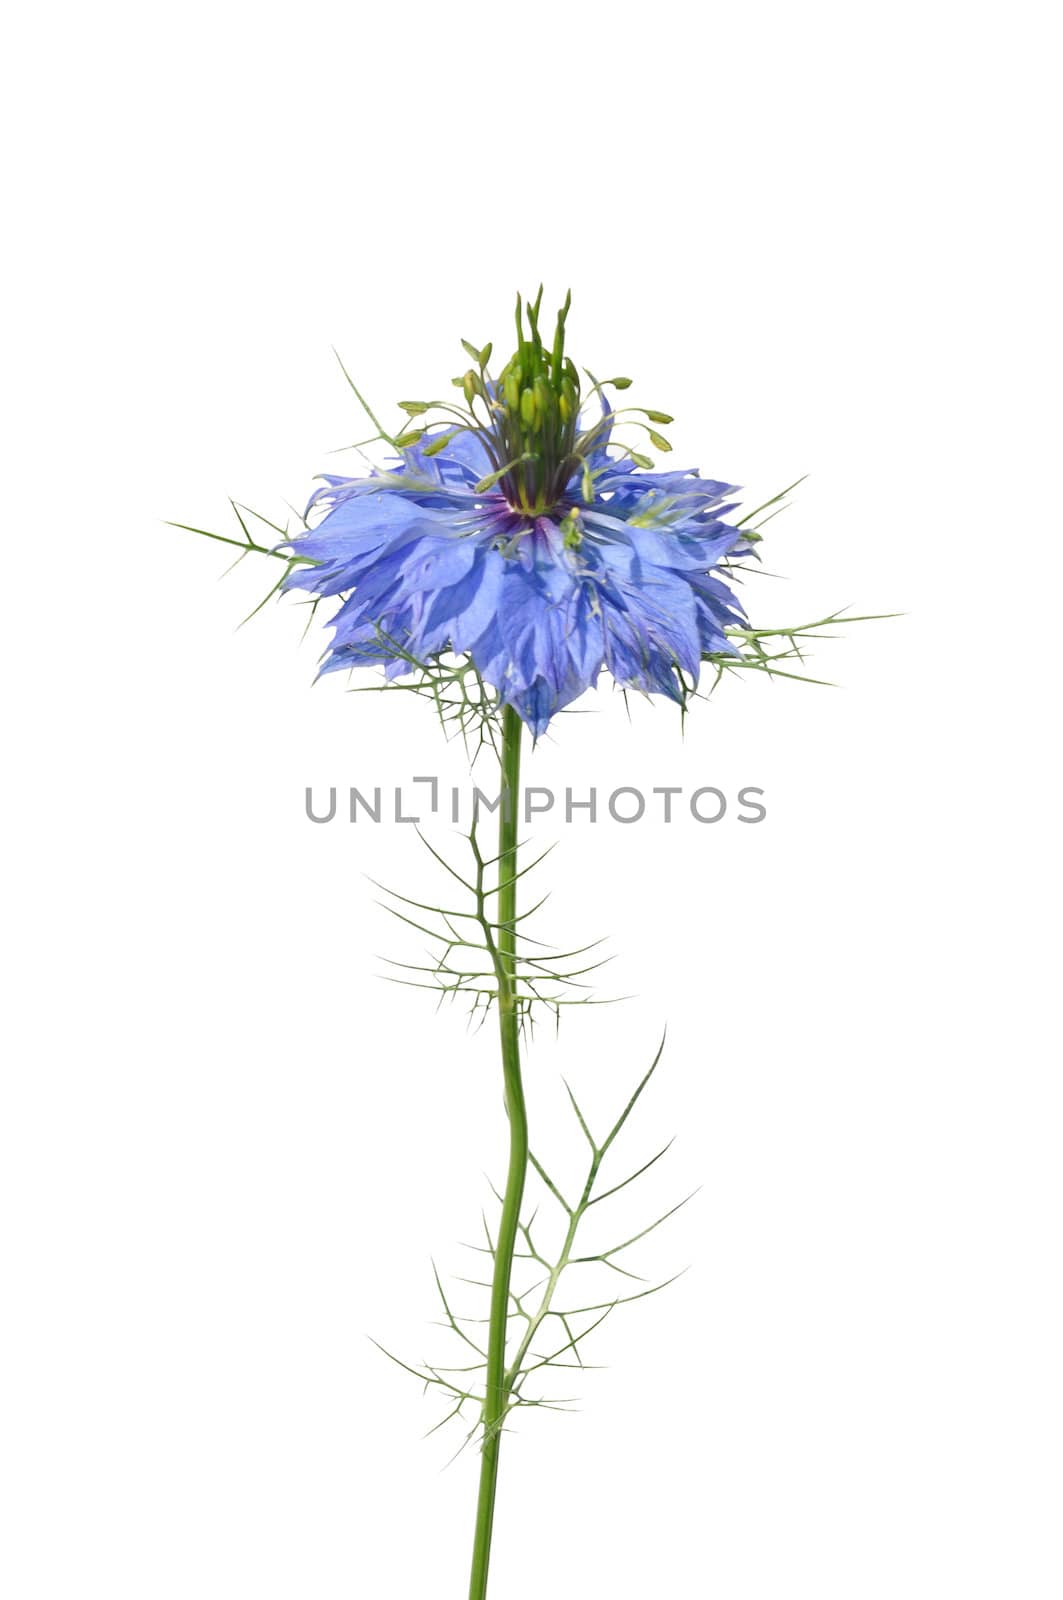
(518, 532)
(512, 551)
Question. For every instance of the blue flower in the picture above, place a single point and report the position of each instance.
(529, 542)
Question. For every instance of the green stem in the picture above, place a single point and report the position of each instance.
(496, 1401)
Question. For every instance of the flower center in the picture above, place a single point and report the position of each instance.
(533, 433)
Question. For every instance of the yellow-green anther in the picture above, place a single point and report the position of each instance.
(640, 460)
(658, 416)
(528, 408)
(485, 353)
(441, 443)
(472, 385)
(490, 480)
(564, 406)
(572, 533)
(587, 485)
(659, 441)
(408, 438)
(413, 408)
(619, 383)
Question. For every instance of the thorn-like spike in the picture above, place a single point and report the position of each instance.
(580, 1117)
(619, 1123)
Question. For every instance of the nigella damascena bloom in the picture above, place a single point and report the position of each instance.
(528, 540)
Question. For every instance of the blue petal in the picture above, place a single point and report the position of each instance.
(424, 565)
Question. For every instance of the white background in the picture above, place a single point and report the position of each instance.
(822, 236)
